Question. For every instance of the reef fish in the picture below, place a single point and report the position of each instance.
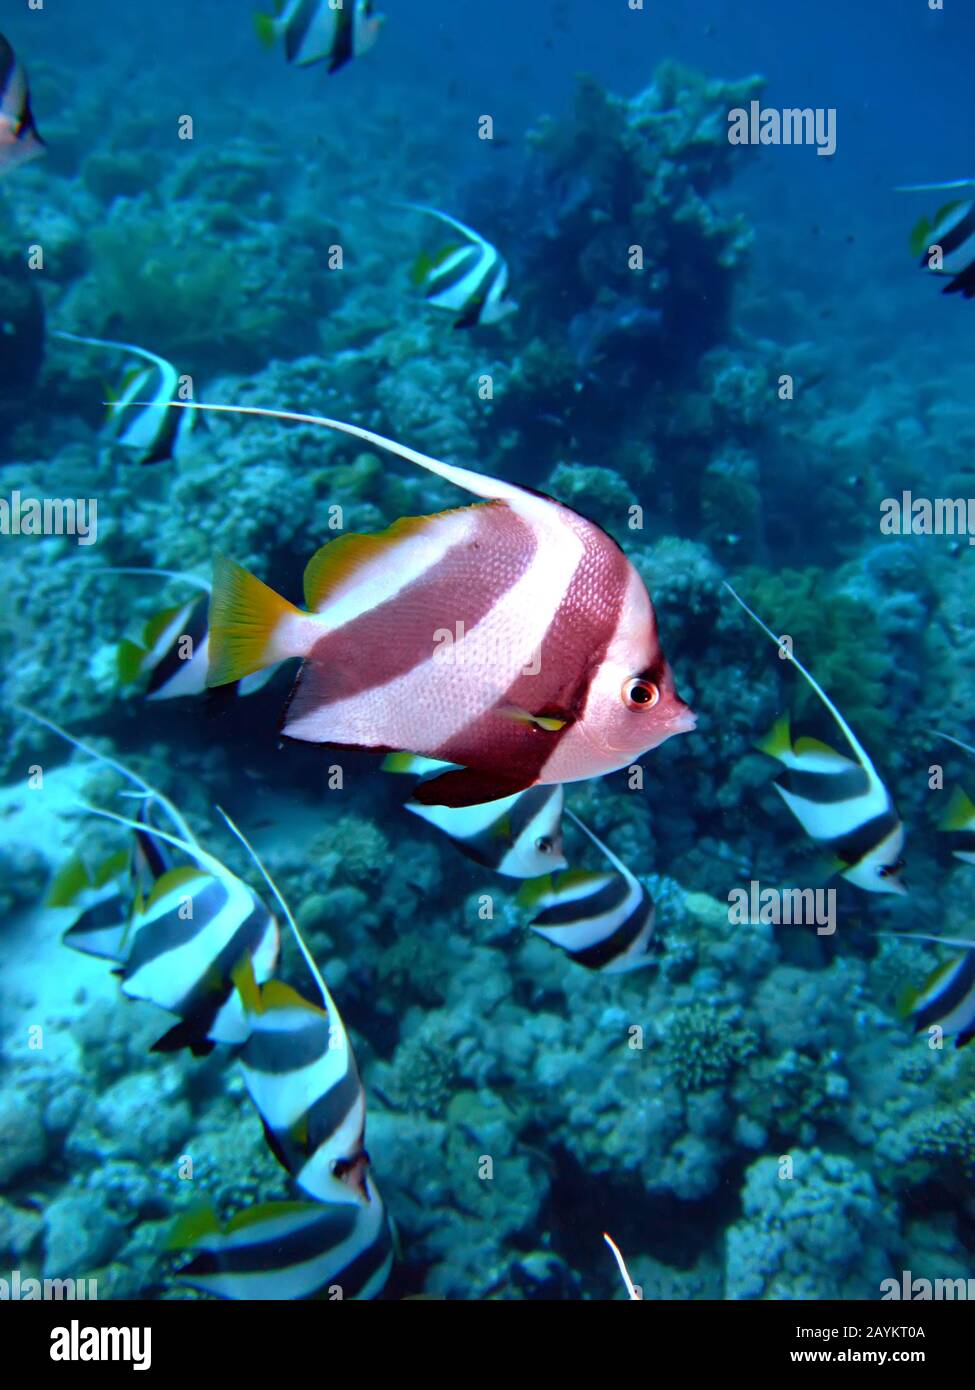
(172, 648)
(134, 421)
(519, 836)
(105, 898)
(840, 802)
(185, 942)
(959, 821)
(19, 136)
(318, 30)
(946, 999)
(469, 280)
(604, 921)
(946, 244)
(514, 639)
(288, 1250)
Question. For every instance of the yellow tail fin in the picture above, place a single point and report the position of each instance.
(244, 614)
(778, 740)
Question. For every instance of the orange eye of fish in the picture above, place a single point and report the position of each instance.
(640, 694)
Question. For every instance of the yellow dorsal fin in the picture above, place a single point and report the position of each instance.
(173, 880)
(339, 560)
(960, 812)
(277, 995)
(68, 883)
(815, 745)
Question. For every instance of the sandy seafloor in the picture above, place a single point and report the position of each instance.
(609, 390)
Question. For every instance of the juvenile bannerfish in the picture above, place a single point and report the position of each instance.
(519, 836)
(287, 1250)
(187, 940)
(469, 280)
(839, 802)
(173, 647)
(959, 818)
(603, 921)
(155, 431)
(953, 231)
(946, 999)
(19, 137)
(515, 639)
(315, 30)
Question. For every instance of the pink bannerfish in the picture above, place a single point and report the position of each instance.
(512, 637)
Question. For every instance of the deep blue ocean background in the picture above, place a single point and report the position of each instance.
(475, 1037)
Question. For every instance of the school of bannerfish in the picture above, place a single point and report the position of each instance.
(557, 675)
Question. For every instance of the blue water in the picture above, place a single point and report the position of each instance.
(750, 1115)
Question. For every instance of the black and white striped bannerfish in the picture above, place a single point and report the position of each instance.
(318, 30)
(959, 819)
(469, 280)
(946, 244)
(105, 897)
(102, 898)
(139, 417)
(188, 939)
(289, 1250)
(174, 645)
(604, 921)
(518, 836)
(840, 802)
(301, 1075)
(19, 137)
(946, 999)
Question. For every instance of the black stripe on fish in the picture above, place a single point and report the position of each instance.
(600, 954)
(953, 993)
(957, 233)
(442, 279)
(343, 44)
(277, 1052)
(164, 444)
(100, 928)
(170, 664)
(170, 932)
(296, 30)
(608, 898)
(475, 305)
(826, 788)
(205, 997)
(858, 843)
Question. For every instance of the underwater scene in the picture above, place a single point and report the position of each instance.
(486, 731)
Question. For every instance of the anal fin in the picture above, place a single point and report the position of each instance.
(468, 787)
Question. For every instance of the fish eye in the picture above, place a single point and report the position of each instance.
(640, 694)
(888, 870)
(543, 844)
